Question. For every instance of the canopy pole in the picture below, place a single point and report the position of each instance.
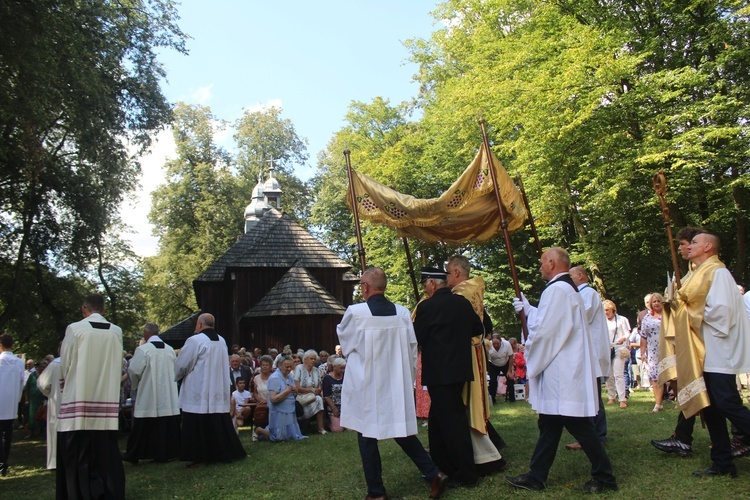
(411, 269)
(531, 217)
(504, 226)
(660, 186)
(355, 211)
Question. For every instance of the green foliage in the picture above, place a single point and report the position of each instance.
(76, 80)
(586, 101)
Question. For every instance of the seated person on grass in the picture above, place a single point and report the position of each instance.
(242, 396)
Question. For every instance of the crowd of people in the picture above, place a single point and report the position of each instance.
(447, 367)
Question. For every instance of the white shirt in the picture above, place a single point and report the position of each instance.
(375, 402)
(596, 321)
(11, 384)
(151, 372)
(558, 339)
(240, 398)
(503, 353)
(725, 327)
(203, 367)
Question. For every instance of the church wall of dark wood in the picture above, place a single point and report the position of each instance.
(305, 332)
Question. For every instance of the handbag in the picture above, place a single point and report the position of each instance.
(305, 399)
(623, 351)
(41, 413)
(260, 416)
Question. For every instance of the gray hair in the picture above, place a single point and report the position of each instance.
(310, 352)
(339, 362)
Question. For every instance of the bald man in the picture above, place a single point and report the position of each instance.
(208, 434)
(558, 339)
(597, 324)
(711, 294)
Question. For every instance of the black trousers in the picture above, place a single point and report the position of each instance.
(6, 438)
(726, 404)
(684, 428)
(448, 432)
(89, 466)
(600, 420)
(494, 372)
(582, 429)
(368, 450)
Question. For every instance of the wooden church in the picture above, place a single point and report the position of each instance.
(276, 285)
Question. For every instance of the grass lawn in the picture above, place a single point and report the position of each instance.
(329, 466)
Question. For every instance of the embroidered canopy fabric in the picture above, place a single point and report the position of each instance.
(466, 211)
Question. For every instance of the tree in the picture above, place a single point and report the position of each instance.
(76, 80)
(198, 214)
(263, 137)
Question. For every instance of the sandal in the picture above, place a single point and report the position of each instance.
(657, 408)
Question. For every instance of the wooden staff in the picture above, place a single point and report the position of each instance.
(531, 217)
(504, 226)
(660, 186)
(411, 269)
(355, 211)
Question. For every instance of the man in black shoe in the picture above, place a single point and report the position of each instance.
(11, 387)
(558, 338)
(444, 325)
(680, 443)
(370, 334)
(724, 330)
(597, 325)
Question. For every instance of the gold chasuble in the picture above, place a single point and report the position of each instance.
(475, 392)
(690, 349)
(667, 359)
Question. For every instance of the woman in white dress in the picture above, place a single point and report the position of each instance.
(307, 378)
(619, 335)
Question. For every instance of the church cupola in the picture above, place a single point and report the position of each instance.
(257, 206)
(272, 190)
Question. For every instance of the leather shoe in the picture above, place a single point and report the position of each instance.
(595, 486)
(575, 445)
(526, 482)
(437, 487)
(716, 471)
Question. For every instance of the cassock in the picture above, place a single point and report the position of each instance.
(156, 424)
(88, 457)
(558, 340)
(597, 323)
(49, 383)
(375, 402)
(208, 434)
(725, 329)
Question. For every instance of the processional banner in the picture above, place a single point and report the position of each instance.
(466, 212)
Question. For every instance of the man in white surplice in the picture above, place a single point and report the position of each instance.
(563, 398)
(377, 403)
(599, 334)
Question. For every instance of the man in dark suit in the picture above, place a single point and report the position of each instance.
(238, 370)
(444, 325)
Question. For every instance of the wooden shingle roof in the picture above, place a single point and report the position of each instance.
(275, 241)
(296, 293)
(176, 335)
